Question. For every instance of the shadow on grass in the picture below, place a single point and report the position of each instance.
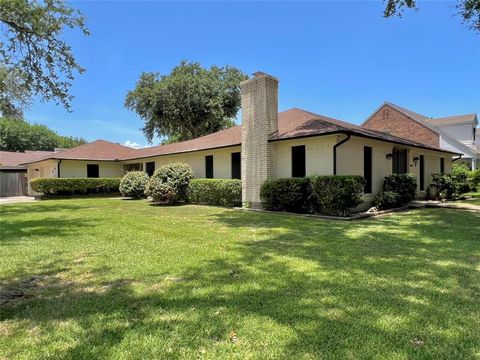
(341, 290)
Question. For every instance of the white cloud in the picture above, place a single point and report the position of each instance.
(133, 144)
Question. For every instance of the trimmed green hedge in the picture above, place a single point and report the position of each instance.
(405, 185)
(398, 190)
(330, 195)
(287, 194)
(338, 194)
(222, 192)
(75, 186)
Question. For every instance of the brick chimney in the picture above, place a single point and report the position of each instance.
(259, 121)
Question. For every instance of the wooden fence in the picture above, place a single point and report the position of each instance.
(13, 183)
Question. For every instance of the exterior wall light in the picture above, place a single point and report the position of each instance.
(389, 156)
(415, 160)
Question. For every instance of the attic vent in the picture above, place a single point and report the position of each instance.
(386, 114)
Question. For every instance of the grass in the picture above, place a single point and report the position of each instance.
(474, 198)
(106, 278)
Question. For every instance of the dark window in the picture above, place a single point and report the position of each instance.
(132, 167)
(442, 165)
(298, 161)
(92, 171)
(367, 169)
(236, 166)
(399, 161)
(422, 173)
(209, 167)
(150, 168)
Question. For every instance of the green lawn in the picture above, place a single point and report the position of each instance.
(106, 278)
(473, 200)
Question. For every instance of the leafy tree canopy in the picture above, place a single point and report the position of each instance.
(34, 60)
(19, 135)
(189, 102)
(469, 10)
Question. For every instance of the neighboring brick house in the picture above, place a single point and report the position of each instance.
(402, 122)
(268, 144)
(456, 133)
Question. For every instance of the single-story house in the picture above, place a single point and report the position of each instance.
(268, 144)
(457, 133)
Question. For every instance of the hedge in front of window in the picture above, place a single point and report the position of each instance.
(75, 186)
(338, 194)
(221, 192)
(288, 194)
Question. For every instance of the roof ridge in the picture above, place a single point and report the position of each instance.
(403, 109)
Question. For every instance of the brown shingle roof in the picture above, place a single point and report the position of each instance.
(293, 123)
(452, 120)
(100, 150)
(317, 124)
(14, 159)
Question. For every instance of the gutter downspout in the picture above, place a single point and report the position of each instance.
(58, 168)
(335, 152)
(453, 160)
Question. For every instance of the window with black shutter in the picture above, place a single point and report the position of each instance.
(209, 167)
(236, 166)
(93, 170)
(298, 161)
(367, 169)
(150, 168)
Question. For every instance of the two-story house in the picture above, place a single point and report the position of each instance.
(457, 133)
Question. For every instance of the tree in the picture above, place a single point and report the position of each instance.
(34, 60)
(19, 135)
(469, 10)
(189, 102)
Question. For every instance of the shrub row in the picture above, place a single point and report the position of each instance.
(451, 186)
(331, 195)
(221, 192)
(174, 183)
(75, 186)
(398, 190)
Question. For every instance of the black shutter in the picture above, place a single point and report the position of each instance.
(298, 161)
(93, 171)
(442, 165)
(422, 173)
(399, 161)
(236, 166)
(367, 168)
(150, 168)
(209, 167)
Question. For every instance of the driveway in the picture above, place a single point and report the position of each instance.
(15, 199)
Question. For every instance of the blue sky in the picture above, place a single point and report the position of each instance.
(338, 58)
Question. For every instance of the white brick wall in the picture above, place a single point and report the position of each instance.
(259, 120)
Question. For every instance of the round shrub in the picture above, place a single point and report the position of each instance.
(133, 184)
(169, 184)
(386, 200)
